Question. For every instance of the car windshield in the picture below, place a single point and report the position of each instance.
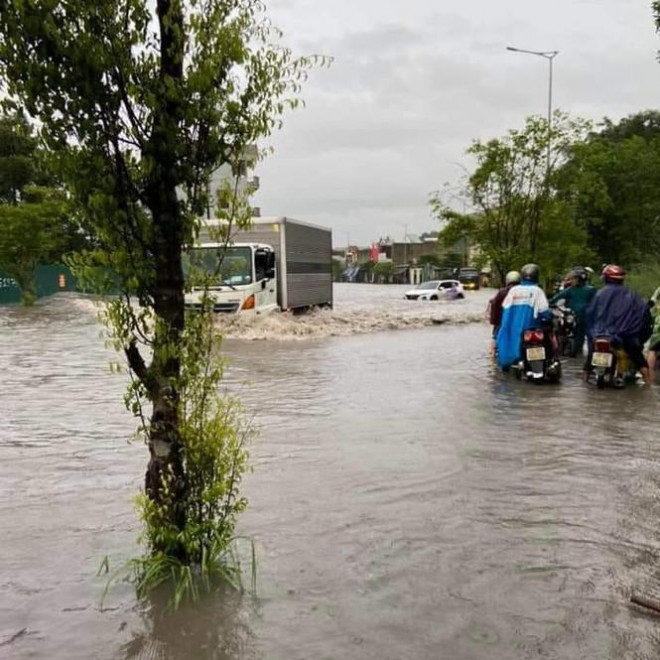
(428, 285)
(225, 265)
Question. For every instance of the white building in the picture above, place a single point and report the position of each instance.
(235, 179)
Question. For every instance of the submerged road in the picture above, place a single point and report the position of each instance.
(407, 502)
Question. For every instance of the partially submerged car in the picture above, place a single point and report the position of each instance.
(437, 290)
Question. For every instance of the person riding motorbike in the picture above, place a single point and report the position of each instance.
(525, 307)
(512, 279)
(577, 297)
(620, 314)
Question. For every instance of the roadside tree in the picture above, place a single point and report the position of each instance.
(35, 223)
(383, 271)
(512, 213)
(17, 161)
(33, 232)
(611, 180)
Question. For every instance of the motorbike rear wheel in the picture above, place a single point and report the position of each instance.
(600, 381)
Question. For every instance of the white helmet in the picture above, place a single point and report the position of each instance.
(512, 277)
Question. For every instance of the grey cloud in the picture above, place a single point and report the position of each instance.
(410, 89)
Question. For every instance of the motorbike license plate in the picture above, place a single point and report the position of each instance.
(602, 360)
(535, 354)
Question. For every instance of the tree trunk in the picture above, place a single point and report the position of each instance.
(25, 276)
(165, 439)
(165, 443)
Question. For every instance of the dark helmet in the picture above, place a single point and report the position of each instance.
(530, 273)
(613, 274)
(581, 275)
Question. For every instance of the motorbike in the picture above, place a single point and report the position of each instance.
(611, 365)
(564, 325)
(540, 356)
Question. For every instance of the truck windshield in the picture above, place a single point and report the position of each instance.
(230, 265)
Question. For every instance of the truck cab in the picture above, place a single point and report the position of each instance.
(469, 278)
(241, 278)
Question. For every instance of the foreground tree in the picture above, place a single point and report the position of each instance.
(141, 102)
(514, 213)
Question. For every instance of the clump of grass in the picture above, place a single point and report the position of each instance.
(219, 566)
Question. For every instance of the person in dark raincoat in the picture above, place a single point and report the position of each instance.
(620, 314)
(578, 296)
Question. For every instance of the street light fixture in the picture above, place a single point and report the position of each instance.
(550, 56)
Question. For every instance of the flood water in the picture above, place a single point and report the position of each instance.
(407, 502)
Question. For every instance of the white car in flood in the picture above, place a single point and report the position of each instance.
(437, 290)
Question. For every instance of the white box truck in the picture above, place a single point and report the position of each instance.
(276, 263)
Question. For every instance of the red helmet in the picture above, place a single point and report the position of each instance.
(613, 273)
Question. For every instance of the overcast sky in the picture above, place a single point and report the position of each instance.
(414, 81)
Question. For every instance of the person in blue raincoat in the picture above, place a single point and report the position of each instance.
(619, 314)
(524, 308)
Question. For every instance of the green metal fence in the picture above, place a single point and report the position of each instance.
(49, 279)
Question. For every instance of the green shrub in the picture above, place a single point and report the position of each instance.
(645, 278)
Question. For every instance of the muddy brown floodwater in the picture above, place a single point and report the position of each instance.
(407, 502)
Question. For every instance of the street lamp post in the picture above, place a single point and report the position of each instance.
(550, 56)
